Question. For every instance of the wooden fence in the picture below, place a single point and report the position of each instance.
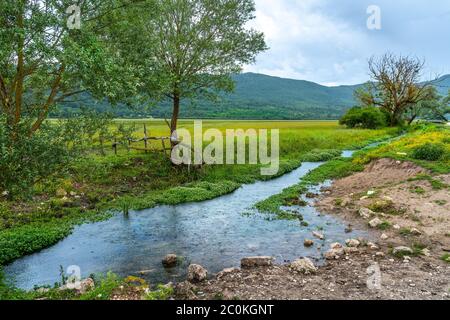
(165, 143)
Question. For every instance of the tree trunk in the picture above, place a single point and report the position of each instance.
(412, 120)
(395, 119)
(175, 115)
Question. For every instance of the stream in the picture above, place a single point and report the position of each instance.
(216, 234)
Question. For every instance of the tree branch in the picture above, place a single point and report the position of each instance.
(50, 100)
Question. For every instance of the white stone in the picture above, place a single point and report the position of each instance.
(352, 243)
(375, 223)
(304, 265)
(366, 213)
(334, 254)
(350, 250)
(318, 235)
(336, 245)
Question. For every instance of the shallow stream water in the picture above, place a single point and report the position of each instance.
(215, 234)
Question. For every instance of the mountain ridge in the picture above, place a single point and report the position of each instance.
(260, 97)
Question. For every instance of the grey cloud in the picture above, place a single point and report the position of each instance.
(327, 41)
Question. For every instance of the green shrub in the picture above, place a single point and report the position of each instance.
(318, 155)
(446, 258)
(104, 288)
(26, 239)
(8, 291)
(25, 159)
(429, 152)
(367, 118)
(161, 293)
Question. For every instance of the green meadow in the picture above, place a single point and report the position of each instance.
(95, 184)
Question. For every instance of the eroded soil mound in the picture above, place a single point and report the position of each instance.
(379, 173)
(412, 206)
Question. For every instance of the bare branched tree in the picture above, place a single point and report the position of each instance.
(395, 85)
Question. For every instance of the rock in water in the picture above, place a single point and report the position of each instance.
(308, 243)
(336, 245)
(170, 261)
(255, 262)
(196, 273)
(304, 265)
(318, 235)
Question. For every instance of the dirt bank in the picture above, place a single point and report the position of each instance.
(405, 211)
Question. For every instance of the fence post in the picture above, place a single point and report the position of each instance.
(145, 138)
(115, 146)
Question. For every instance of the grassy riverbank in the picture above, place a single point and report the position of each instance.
(401, 149)
(95, 184)
(99, 190)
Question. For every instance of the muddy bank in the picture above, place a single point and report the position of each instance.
(410, 219)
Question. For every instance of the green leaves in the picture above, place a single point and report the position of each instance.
(192, 48)
(58, 62)
(366, 117)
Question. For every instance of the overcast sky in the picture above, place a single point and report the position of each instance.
(328, 41)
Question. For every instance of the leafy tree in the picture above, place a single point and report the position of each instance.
(364, 117)
(199, 45)
(31, 159)
(432, 106)
(394, 86)
(43, 61)
(446, 104)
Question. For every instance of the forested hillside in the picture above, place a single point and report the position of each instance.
(256, 97)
